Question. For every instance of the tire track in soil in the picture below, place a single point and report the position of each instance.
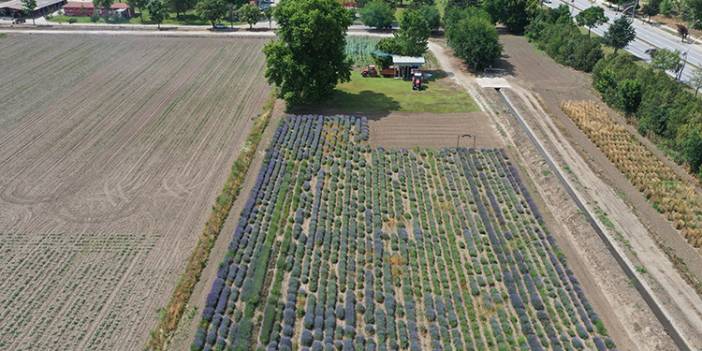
(117, 120)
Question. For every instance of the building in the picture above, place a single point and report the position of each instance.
(88, 9)
(15, 9)
(405, 64)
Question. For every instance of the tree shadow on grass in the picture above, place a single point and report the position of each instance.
(435, 74)
(367, 103)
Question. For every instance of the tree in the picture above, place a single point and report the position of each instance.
(665, 60)
(696, 79)
(308, 58)
(137, 5)
(250, 14)
(649, 10)
(28, 6)
(103, 5)
(413, 35)
(683, 32)
(691, 142)
(377, 14)
(629, 95)
(211, 10)
(666, 7)
(157, 12)
(591, 17)
(474, 39)
(694, 7)
(268, 14)
(180, 6)
(432, 15)
(514, 14)
(422, 3)
(620, 33)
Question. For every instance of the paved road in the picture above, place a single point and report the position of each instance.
(648, 36)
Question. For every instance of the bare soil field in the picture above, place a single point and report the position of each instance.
(112, 150)
(408, 130)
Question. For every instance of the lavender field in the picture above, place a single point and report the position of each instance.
(341, 246)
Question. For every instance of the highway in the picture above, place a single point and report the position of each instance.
(648, 36)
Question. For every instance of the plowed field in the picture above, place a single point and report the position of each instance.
(112, 151)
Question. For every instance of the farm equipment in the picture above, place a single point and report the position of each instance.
(372, 71)
(417, 81)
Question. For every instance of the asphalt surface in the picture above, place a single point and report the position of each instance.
(648, 36)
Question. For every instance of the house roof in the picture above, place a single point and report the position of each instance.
(17, 4)
(407, 60)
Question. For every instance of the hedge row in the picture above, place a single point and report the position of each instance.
(554, 32)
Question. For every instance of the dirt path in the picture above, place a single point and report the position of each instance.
(605, 282)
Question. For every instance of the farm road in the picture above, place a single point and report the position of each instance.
(620, 302)
(164, 33)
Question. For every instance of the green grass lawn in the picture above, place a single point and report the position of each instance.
(382, 95)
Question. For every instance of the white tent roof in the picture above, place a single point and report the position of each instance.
(407, 60)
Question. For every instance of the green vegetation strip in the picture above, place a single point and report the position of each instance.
(168, 321)
(381, 95)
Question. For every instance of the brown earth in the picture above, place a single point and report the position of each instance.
(408, 130)
(112, 150)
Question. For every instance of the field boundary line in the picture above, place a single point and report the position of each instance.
(197, 261)
(626, 265)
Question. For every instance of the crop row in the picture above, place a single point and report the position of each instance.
(341, 246)
(669, 194)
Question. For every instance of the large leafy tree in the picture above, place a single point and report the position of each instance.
(413, 35)
(591, 17)
(665, 60)
(432, 15)
(211, 10)
(157, 11)
(377, 14)
(620, 33)
(694, 7)
(308, 59)
(180, 6)
(473, 38)
(137, 5)
(514, 14)
(250, 14)
(105, 5)
(28, 6)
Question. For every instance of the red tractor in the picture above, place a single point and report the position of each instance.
(371, 71)
(417, 81)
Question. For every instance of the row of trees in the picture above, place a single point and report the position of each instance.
(664, 108)
(380, 14)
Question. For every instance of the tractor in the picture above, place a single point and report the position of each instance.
(371, 71)
(417, 81)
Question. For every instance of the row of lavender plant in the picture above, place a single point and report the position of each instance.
(345, 247)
